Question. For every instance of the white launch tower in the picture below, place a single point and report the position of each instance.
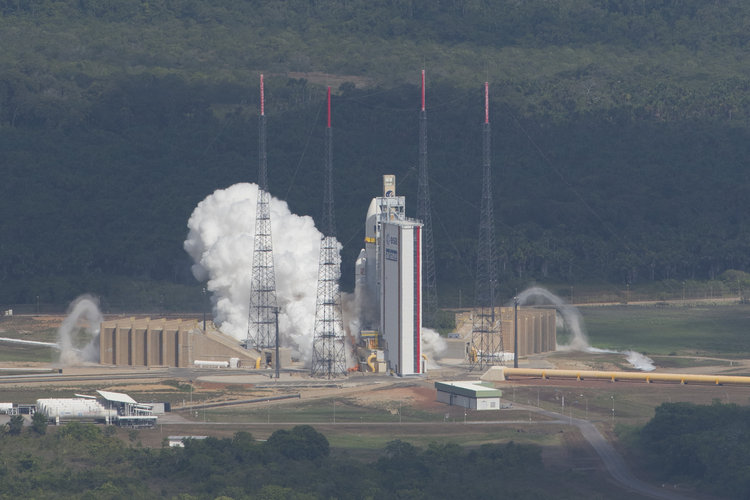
(389, 280)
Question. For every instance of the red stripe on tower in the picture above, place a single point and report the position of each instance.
(418, 323)
(486, 102)
(262, 98)
(329, 107)
(422, 90)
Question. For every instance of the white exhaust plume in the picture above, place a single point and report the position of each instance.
(84, 319)
(433, 346)
(572, 320)
(220, 242)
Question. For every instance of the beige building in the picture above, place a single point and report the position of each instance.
(173, 343)
(537, 330)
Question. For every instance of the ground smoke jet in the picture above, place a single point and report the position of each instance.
(220, 242)
(574, 322)
(83, 316)
(433, 346)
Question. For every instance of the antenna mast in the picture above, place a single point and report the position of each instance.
(486, 336)
(329, 355)
(261, 321)
(424, 214)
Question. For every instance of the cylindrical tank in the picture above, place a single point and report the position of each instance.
(71, 409)
(211, 364)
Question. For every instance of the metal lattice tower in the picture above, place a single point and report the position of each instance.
(486, 335)
(261, 327)
(424, 214)
(328, 356)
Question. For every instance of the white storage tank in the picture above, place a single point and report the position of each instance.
(211, 364)
(74, 409)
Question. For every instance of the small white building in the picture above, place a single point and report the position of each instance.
(179, 441)
(469, 394)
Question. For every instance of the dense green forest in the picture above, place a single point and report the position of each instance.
(703, 447)
(83, 461)
(706, 446)
(620, 132)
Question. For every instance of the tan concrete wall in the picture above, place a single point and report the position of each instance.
(536, 329)
(161, 342)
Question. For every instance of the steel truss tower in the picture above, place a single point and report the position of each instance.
(261, 327)
(329, 355)
(424, 214)
(486, 335)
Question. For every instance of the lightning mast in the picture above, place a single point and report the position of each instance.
(261, 322)
(424, 214)
(328, 356)
(486, 335)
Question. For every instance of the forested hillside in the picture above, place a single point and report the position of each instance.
(620, 133)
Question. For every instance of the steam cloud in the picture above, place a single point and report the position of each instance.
(83, 318)
(572, 319)
(220, 242)
(433, 346)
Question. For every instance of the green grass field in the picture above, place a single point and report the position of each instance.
(705, 330)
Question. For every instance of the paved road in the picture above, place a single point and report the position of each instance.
(614, 463)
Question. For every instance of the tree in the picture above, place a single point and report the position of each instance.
(301, 443)
(39, 423)
(15, 425)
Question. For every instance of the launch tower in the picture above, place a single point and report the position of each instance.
(389, 277)
(261, 332)
(486, 338)
(424, 214)
(329, 355)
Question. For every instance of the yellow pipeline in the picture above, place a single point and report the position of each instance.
(369, 361)
(648, 377)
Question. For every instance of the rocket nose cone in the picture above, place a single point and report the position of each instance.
(373, 209)
(361, 261)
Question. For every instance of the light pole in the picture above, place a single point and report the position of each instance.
(612, 397)
(277, 363)
(204, 309)
(586, 401)
(515, 334)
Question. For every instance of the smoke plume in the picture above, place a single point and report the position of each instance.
(570, 318)
(81, 326)
(220, 242)
(433, 346)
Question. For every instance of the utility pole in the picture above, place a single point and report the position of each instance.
(515, 332)
(278, 360)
